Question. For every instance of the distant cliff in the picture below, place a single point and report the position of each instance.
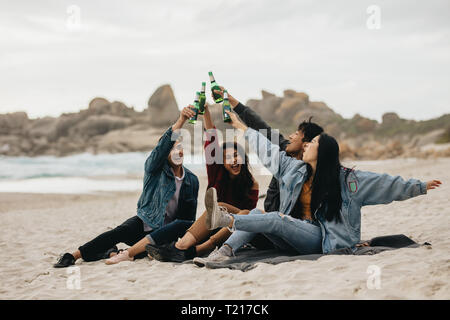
(111, 127)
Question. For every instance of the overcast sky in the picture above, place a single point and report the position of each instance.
(53, 60)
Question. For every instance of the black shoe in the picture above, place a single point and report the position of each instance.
(64, 261)
(153, 251)
(170, 253)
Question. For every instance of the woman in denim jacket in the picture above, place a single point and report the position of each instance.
(169, 197)
(320, 201)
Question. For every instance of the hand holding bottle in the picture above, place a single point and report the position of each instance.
(185, 114)
(233, 101)
(235, 122)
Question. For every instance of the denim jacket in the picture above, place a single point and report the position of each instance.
(159, 186)
(358, 188)
(254, 121)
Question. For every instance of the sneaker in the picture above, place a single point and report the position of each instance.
(65, 260)
(154, 252)
(216, 216)
(218, 255)
(170, 253)
(122, 256)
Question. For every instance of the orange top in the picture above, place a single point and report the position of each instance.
(305, 200)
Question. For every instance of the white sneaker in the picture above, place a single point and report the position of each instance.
(218, 255)
(216, 216)
(122, 256)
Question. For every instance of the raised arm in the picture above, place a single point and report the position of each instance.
(159, 155)
(253, 120)
(207, 120)
(275, 160)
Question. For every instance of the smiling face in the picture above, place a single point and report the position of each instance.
(311, 150)
(232, 162)
(296, 144)
(176, 155)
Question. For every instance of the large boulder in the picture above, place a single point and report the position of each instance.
(291, 106)
(42, 127)
(390, 118)
(99, 124)
(126, 140)
(298, 95)
(65, 124)
(267, 106)
(359, 125)
(10, 145)
(265, 94)
(162, 107)
(319, 112)
(99, 106)
(13, 123)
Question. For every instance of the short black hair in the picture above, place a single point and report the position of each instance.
(309, 129)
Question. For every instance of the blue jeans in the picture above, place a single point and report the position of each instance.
(286, 233)
(169, 232)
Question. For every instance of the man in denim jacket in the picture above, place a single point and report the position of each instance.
(169, 196)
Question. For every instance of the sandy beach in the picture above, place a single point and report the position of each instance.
(39, 227)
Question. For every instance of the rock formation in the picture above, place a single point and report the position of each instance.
(110, 127)
(162, 107)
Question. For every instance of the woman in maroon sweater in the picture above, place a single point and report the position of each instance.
(237, 191)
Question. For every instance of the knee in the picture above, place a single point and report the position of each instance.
(256, 211)
(276, 218)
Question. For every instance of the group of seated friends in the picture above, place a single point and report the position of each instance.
(312, 205)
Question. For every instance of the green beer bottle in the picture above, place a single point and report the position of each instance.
(193, 120)
(226, 107)
(214, 86)
(202, 101)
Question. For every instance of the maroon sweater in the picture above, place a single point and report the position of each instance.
(216, 173)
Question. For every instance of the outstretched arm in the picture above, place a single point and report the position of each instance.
(375, 188)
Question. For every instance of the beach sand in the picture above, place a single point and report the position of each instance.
(39, 227)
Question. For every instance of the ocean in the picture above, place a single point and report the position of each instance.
(86, 173)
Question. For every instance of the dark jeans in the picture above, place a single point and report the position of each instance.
(130, 232)
(170, 232)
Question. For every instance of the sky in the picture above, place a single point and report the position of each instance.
(358, 56)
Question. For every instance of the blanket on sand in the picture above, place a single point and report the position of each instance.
(247, 258)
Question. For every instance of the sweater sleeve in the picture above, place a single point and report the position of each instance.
(253, 198)
(212, 163)
(159, 155)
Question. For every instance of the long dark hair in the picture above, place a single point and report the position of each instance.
(326, 185)
(243, 183)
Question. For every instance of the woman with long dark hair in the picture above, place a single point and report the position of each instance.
(320, 207)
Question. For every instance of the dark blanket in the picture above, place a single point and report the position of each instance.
(247, 257)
